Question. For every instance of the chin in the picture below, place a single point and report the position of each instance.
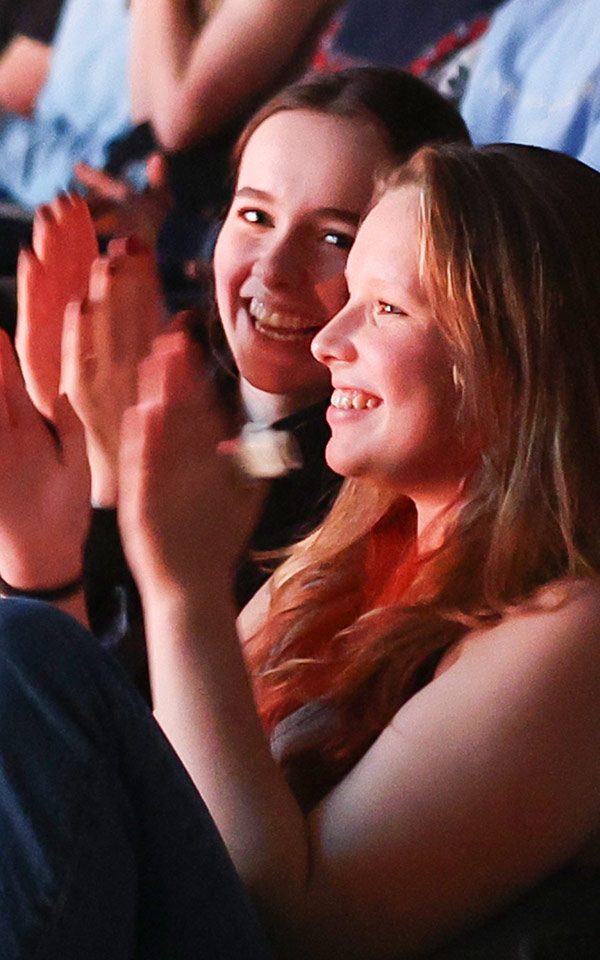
(284, 383)
(342, 464)
(269, 382)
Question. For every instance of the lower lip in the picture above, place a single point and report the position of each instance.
(296, 338)
(286, 336)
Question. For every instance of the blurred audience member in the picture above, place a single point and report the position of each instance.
(26, 32)
(537, 79)
(196, 66)
(82, 107)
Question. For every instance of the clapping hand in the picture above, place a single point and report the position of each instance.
(105, 338)
(44, 486)
(54, 272)
(184, 509)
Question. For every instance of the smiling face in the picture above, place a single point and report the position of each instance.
(303, 182)
(394, 404)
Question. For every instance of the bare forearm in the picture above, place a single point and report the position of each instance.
(23, 69)
(204, 703)
(202, 75)
(163, 33)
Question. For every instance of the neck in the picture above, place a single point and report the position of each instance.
(433, 516)
(263, 407)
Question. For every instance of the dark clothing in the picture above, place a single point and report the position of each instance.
(558, 920)
(395, 32)
(296, 503)
(108, 851)
(30, 18)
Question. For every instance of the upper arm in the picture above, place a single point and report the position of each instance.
(254, 614)
(483, 782)
(24, 65)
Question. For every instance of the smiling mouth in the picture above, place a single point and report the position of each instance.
(353, 399)
(278, 325)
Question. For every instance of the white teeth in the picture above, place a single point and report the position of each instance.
(273, 334)
(353, 400)
(289, 323)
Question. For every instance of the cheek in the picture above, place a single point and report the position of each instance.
(230, 259)
(416, 375)
(332, 293)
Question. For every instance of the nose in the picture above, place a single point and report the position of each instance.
(335, 341)
(283, 262)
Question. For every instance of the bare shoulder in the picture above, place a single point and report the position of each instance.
(486, 780)
(561, 617)
(571, 597)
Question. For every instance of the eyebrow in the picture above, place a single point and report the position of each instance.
(253, 194)
(410, 297)
(335, 213)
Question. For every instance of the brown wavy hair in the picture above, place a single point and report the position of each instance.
(510, 262)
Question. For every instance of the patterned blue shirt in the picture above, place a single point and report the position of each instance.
(83, 106)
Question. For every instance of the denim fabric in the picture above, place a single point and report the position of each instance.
(537, 79)
(106, 848)
(83, 106)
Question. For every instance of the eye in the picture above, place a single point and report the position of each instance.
(337, 238)
(252, 215)
(388, 309)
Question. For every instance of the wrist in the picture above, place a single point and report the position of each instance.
(187, 609)
(58, 591)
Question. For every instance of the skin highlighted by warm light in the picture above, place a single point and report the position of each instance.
(282, 251)
(394, 401)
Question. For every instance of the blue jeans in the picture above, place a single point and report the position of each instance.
(107, 851)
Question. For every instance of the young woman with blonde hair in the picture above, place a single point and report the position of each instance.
(402, 755)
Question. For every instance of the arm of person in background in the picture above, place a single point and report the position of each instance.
(27, 31)
(50, 275)
(24, 66)
(191, 74)
(44, 491)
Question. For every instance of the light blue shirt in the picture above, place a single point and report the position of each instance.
(83, 106)
(537, 79)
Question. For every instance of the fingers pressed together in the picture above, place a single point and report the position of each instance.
(54, 272)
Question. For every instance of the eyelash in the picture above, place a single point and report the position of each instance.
(389, 310)
(259, 218)
(262, 218)
(342, 240)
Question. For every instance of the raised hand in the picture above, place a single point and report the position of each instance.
(54, 272)
(44, 486)
(185, 511)
(105, 338)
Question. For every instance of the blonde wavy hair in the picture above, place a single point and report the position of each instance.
(510, 261)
